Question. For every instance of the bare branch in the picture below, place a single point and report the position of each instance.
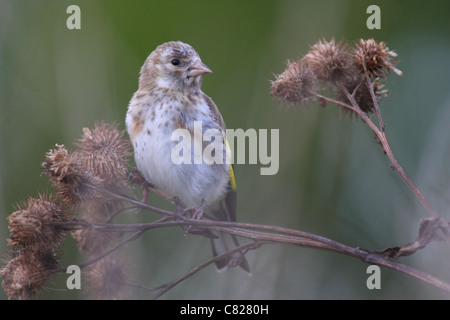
(260, 235)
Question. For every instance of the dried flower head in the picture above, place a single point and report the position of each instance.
(107, 279)
(26, 273)
(35, 224)
(100, 161)
(295, 85)
(60, 165)
(363, 98)
(68, 176)
(376, 57)
(103, 153)
(329, 61)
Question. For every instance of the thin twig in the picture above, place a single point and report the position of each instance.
(107, 252)
(104, 254)
(369, 85)
(170, 285)
(381, 135)
(395, 165)
(135, 202)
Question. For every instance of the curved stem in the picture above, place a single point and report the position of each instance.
(398, 168)
(381, 136)
(262, 234)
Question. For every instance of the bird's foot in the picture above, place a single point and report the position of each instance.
(197, 214)
(136, 177)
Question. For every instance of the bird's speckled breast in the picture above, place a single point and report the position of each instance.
(158, 117)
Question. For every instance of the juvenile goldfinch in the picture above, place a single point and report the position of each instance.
(170, 98)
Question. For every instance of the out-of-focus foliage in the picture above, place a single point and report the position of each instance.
(333, 179)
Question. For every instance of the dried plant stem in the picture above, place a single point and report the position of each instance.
(166, 287)
(381, 136)
(133, 237)
(260, 235)
(136, 202)
(86, 263)
(397, 168)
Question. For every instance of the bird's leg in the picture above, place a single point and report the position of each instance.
(179, 206)
(136, 177)
(145, 192)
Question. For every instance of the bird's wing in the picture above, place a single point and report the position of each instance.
(215, 111)
(229, 203)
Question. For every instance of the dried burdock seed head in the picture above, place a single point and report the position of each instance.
(376, 56)
(363, 98)
(35, 223)
(67, 176)
(329, 61)
(99, 162)
(60, 165)
(107, 279)
(103, 153)
(295, 85)
(26, 273)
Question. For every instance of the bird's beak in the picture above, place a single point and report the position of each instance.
(198, 68)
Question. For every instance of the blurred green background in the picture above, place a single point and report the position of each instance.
(333, 179)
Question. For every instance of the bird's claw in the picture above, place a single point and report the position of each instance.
(136, 177)
(196, 214)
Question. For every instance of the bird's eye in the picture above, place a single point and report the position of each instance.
(175, 62)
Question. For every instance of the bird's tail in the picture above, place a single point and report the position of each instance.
(226, 242)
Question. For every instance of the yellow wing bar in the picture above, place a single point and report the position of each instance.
(232, 179)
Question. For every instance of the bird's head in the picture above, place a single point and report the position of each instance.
(173, 65)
